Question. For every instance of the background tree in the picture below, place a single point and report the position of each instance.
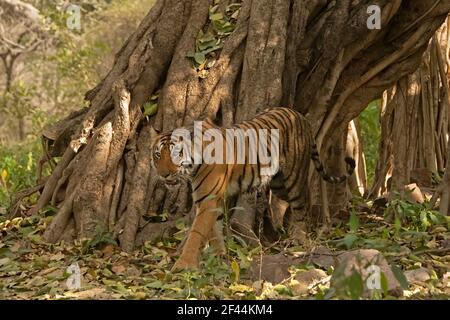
(196, 58)
(20, 33)
(414, 121)
(50, 81)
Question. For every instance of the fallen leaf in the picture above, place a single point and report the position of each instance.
(118, 269)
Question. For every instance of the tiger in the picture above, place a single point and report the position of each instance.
(212, 183)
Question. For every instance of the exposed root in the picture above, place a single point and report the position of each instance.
(52, 182)
(118, 186)
(60, 221)
(16, 206)
(136, 201)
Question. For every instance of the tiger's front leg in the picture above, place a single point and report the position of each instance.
(199, 234)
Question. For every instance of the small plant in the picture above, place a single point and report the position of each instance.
(17, 169)
(414, 216)
(208, 43)
(351, 238)
(100, 239)
(151, 106)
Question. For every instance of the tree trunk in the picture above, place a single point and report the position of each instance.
(415, 126)
(355, 149)
(315, 56)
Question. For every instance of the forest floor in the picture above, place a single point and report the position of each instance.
(418, 239)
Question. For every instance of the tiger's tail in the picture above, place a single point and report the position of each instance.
(351, 165)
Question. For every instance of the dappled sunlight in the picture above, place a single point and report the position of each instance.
(103, 196)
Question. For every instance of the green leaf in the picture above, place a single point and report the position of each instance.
(200, 57)
(155, 285)
(5, 252)
(283, 290)
(216, 16)
(355, 285)
(354, 222)
(206, 38)
(235, 288)
(4, 261)
(236, 271)
(400, 276)
(233, 7)
(384, 283)
(349, 240)
(224, 28)
(215, 48)
(207, 45)
(397, 224)
(107, 273)
(180, 225)
(150, 109)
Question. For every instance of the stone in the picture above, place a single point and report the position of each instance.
(305, 279)
(361, 260)
(274, 268)
(419, 275)
(323, 257)
(415, 193)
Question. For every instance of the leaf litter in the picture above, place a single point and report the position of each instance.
(33, 269)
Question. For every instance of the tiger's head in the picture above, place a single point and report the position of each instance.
(170, 159)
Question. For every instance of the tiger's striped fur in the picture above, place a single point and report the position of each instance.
(212, 183)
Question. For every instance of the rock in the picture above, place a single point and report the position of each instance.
(274, 269)
(416, 194)
(361, 261)
(305, 279)
(417, 275)
(422, 177)
(323, 257)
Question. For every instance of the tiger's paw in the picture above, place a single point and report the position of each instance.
(185, 264)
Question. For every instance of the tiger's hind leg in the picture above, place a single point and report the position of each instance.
(279, 207)
(297, 198)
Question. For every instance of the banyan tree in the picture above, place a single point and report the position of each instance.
(226, 60)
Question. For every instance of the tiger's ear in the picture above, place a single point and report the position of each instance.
(153, 135)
